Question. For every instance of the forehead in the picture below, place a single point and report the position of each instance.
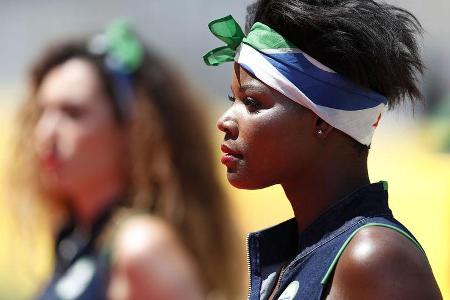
(75, 80)
(244, 80)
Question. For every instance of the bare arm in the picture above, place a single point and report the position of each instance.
(379, 263)
(151, 263)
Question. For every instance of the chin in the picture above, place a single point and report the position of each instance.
(54, 182)
(244, 184)
(52, 188)
(50, 181)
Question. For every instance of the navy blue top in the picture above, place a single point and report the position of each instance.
(81, 269)
(306, 257)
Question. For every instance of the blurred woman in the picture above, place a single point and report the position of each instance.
(112, 142)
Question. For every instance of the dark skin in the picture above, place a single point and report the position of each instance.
(270, 139)
(382, 264)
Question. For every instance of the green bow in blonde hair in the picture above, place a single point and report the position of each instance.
(122, 48)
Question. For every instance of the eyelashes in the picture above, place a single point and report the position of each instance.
(251, 103)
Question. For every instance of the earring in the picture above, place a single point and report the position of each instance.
(319, 131)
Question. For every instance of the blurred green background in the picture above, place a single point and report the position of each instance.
(411, 148)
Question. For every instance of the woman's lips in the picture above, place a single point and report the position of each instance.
(230, 157)
(50, 162)
(228, 160)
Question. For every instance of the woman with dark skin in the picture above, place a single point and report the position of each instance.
(344, 242)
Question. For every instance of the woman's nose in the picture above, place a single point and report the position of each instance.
(46, 128)
(228, 125)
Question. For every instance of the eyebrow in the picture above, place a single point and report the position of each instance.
(249, 87)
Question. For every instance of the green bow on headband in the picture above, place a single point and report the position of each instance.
(229, 31)
(261, 37)
(122, 48)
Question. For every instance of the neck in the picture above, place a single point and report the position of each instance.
(89, 203)
(312, 195)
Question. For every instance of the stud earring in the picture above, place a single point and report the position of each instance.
(319, 131)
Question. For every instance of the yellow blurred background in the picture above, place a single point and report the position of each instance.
(405, 151)
(402, 153)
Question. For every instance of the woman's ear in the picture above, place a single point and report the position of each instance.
(321, 129)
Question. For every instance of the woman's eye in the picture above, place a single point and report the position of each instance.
(251, 103)
(73, 112)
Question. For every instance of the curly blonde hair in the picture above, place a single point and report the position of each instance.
(171, 172)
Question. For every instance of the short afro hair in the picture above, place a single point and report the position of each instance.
(371, 43)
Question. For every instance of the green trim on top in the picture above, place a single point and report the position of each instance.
(344, 246)
(260, 37)
(385, 185)
(263, 37)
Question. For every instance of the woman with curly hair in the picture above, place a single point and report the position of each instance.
(113, 144)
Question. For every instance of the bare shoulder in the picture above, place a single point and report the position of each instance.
(381, 263)
(141, 236)
(149, 260)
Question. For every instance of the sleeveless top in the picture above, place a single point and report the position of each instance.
(82, 265)
(298, 266)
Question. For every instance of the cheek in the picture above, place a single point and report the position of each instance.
(269, 138)
(89, 141)
(272, 156)
(275, 151)
(74, 139)
(95, 155)
(105, 145)
(263, 155)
